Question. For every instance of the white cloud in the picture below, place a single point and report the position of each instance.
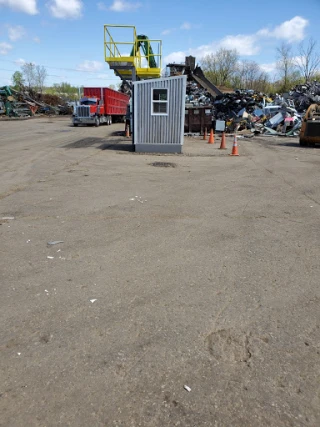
(102, 6)
(123, 6)
(20, 61)
(109, 78)
(90, 66)
(186, 26)
(167, 31)
(245, 45)
(5, 48)
(175, 57)
(292, 30)
(66, 9)
(203, 50)
(16, 33)
(36, 40)
(299, 60)
(26, 6)
(268, 68)
(105, 76)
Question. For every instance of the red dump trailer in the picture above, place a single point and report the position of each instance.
(100, 105)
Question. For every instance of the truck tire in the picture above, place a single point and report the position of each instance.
(303, 143)
(97, 122)
(75, 125)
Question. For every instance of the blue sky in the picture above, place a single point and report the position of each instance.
(66, 36)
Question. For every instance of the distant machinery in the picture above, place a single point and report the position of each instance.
(310, 129)
(138, 58)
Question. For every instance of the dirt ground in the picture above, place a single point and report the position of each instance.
(202, 274)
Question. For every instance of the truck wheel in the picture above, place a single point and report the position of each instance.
(75, 125)
(303, 143)
(97, 122)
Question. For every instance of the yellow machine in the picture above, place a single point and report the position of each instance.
(133, 57)
(310, 129)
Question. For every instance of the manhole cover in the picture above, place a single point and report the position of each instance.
(163, 165)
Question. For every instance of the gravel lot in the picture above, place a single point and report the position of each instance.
(202, 274)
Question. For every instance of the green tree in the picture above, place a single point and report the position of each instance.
(308, 61)
(262, 83)
(248, 73)
(285, 66)
(40, 77)
(17, 80)
(66, 90)
(221, 66)
(29, 74)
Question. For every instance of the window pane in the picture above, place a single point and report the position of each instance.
(160, 107)
(160, 94)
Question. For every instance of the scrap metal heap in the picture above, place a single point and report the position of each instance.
(305, 95)
(248, 110)
(257, 112)
(22, 103)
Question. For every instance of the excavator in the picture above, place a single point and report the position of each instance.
(310, 129)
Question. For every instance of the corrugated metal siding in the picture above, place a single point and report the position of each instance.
(156, 129)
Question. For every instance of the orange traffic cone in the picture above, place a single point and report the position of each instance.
(211, 137)
(205, 134)
(223, 142)
(127, 131)
(235, 147)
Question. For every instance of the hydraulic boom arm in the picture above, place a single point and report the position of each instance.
(143, 42)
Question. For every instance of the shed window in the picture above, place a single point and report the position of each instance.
(160, 102)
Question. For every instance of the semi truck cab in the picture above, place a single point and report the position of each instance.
(89, 112)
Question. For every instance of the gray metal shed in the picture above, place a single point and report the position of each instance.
(158, 114)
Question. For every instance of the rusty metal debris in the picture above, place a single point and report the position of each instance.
(305, 95)
(24, 104)
(243, 109)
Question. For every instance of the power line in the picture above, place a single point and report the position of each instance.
(61, 69)
(49, 75)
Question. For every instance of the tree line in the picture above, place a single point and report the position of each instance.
(33, 78)
(224, 68)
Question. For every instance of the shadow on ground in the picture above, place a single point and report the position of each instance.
(84, 142)
(109, 144)
(289, 144)
(117, 146)
(118, 133)
(296, 144)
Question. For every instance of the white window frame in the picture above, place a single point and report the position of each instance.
(159, 102)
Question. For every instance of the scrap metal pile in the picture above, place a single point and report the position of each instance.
(248, 110)
(196, 95)
(126, 87)
(305, 95)
(258, 113)
(20, 104)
